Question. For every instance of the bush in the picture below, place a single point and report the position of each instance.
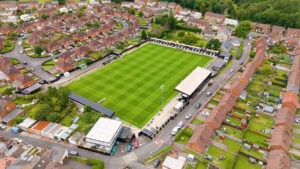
(188, 28)
(279, 84)
(180, 34)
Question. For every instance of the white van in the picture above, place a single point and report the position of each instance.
(174, 131)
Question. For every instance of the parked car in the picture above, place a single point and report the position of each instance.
(198, 105)
(207, 157)
(3, 126)
(180, 124)
(156, 163)
(205, 113)
(188, 116)
(174, 131)
(208, 94)
(73, 153)
(129, 147)
(136, 143)
(17, 140)
(297, 120)
(24, 62)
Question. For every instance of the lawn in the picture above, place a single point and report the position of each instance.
(258, 127)
(131, 86)
(14, 61)
(232, 145)
(226, 163)
(197, 121)
(267, 121)
(253, 153)
(256, 139)
(48, 65)
(243, 162)
(232, 131)
(184, 135)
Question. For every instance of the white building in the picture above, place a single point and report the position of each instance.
(126, 4)
(64, 9)
(104, 134)
(27, 17)
(197, 15)
(27, 123)
(172, 163)
(184, 12)
(231, 22)
(13, 19)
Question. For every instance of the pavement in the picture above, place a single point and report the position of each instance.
(164, 139)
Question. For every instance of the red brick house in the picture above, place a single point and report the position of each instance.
(200, 138)
(7, 105)
(148, 12)
(284, 118)
(292, 32)
(279, 30)
(66, 41)
(296, 64)
(93, 32)
(2, 43)
(67, 16)
(214, 17)
(80, 36)
(236, 88)
(198, 23)
(8, 4)
(281, 139)
(227, 102)
(216, 117)
(26, 26)
(247, 73)
(291, 42)
(48, 29)
(263, 28)
(95, 46)
(22, 81)
(67, 56)
(275, 39)
(63, 66)
(81, 51)
(52, 46)
(28, 4)
(141, 2)
(4, 30)
(278, 159)
(4, 62)
(49, 11)
(290, 100)
(9, 73)
(51, 4)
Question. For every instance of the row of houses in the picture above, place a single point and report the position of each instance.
(276, 30)
(282, 137)
(204, 132)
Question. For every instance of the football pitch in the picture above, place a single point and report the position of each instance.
(131, 85)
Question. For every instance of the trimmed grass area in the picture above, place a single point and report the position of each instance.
(257, 127)
(97, 164)
(197, 121)
(256, 139)
(232, 145)
(232, 131)
(267, 121)
(131, 86)
(184, 135)
(48, 65)
(253, 153)
(14, 61)
(165, 150)
(226, 163)
(243, 163)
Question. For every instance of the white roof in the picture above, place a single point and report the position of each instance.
(193, 80)
(172, 163)
(28, 122)
(104, 129)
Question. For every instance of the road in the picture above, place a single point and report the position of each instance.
(164, 136)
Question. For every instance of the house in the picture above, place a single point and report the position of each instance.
(227, 102)
(231, 22)
(8, 5)
(290, 100)
(95, 46)
(141, 2)
(223, 35)
(184, 12)
(58, 155)
(162, 4)
(216, 117)
(278, 159)
(49, 11)
(284, 118)
(225, 55)
(264, 28)
(7, 19)
(66, 41)
(296, 64)
(63, 66)
(275, 39)
(173, 163)
(7, 105)
(67, 55)
(151, 3)
(27, 17)
(49, 29)
(198, 23)
(4, 62)
(294, 82)
(281, 139)
(200, 138)
(80, 36)
(51, 4)
(6, 13)
(22, 81)
(81, 51)
(208, 34)
(5, 30)
(52, 46)
(172, 5)
(148, 12)
(236, 88)
(28, 4)
(226, 46)
(67, 16)
(9, 73)
(93, 32)
(260, 41)
(197, 15)
(278, 30)
(214, 17)
(292, 32)
(70, 4)
(126, 5)
(291, 42)
(259, 56)
(2, 43)
(247, 73)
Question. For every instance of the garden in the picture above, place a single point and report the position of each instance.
(184, 135)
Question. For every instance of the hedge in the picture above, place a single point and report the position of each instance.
(188, 28)
(279, 84)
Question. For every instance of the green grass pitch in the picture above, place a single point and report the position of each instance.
(131, 85)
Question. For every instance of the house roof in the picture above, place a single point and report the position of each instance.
(216, 117)
(237, 86)
(260, 41)
(41, 125)
(58, 154)
(296, 64)
(23, 78)
(224, 31)
(62, 64)
(215, 15)
(292, 32)
(281, 136)
(198, 21)
(201, 136)
(95, 43)
(285, 116)
(3, 101)
(227, 102)
(294, 82)
(80, 34)
(290, 97)
(278, 159)
(82, 49)
(66, 55)
(52, 44)
(66, 39)
(4, 61)
(227, 45)
(10, 71)
(277, 29)
(248, 71)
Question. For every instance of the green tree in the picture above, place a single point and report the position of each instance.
(8, 91)
(80, 14)
(61, 2)
(53, 117)
(214, 44)
(10, 24)
(188, 39)
(45, 16)
(180, 33)
(131, 11)
(141, 14)
(42, 111)
(172, 22)
(203, 8)
(243, 29)
(38, 49)
(144, 34)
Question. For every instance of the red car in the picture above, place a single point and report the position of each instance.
(136, 143)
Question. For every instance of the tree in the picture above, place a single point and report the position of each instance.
(61, 2)
(8, 91)
(172, 22)
(42, 112)
(10, 24)
(45, 16)
(38, 49)
(141, 14)
(80, 14)
(180, 33)
(203, 8)
(188, 39)
(214, 44)
(243, 29)
(131, 11)
(144, 34)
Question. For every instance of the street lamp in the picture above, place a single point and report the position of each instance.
(162, 95)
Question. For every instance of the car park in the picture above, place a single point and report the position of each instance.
(188, 116)
(205, 113)
(156, 163)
